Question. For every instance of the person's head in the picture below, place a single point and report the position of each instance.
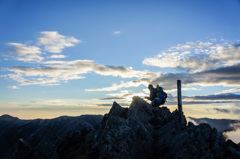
(150, 87)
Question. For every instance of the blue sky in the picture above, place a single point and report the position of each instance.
(77, 57)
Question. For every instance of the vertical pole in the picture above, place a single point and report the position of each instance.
(179, 100)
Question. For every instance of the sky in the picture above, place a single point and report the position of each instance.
(74, 57)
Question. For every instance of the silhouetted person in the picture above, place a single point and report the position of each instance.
(157, 95)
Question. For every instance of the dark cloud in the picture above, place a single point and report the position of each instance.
(111, 68)
(222, 110)
(124, 96)
(112, 98)
(187, 102)
(236, 45)
(110, 104)
(198, 102)
(223, 96)
(169, 81)
(104, 105)
(233, 71)
(236, 111)
(228, 76)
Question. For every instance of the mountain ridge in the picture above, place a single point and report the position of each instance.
(13, 129)
(140, 131)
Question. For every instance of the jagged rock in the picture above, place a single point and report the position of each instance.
(232, 150)
(125, 137)
(197, 141)
(139, 110)
(149, 132)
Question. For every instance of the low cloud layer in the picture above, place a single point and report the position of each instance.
(231, 110)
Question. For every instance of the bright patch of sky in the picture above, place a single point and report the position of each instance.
(77, 57)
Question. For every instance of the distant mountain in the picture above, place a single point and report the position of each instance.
(40, 132)
(222, 125)
(140, 131)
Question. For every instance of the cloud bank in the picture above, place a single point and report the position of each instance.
(197, 57)
(196, 63)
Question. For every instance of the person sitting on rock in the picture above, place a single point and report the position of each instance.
(157, 95)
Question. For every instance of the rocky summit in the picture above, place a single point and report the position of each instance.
(138, 132)
(142, 131)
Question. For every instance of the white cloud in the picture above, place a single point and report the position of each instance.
(200, 56)
(117, 32)
(13, 87)
(123, 96)
(22, 50)
(191, 88)
(54, 42)
(25, 53)
(53, 62)
(53, 72)
(197, 57)
(57, 56)
(231, 90)
(50, 41)
(115, 86)
(119, 94)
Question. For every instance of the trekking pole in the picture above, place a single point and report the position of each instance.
(179, 101)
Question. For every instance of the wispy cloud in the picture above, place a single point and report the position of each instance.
(122, 85)
(54, 73)
(124, 96)
(117, 32)
(231, 90)
(54, 42)
(13, 87)
(57, 56)
(50, 72)
(47, 42)
(22, 52)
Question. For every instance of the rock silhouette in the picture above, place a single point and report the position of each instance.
(140, 131)
(143, 131)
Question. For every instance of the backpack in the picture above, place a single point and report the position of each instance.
(160, 97)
